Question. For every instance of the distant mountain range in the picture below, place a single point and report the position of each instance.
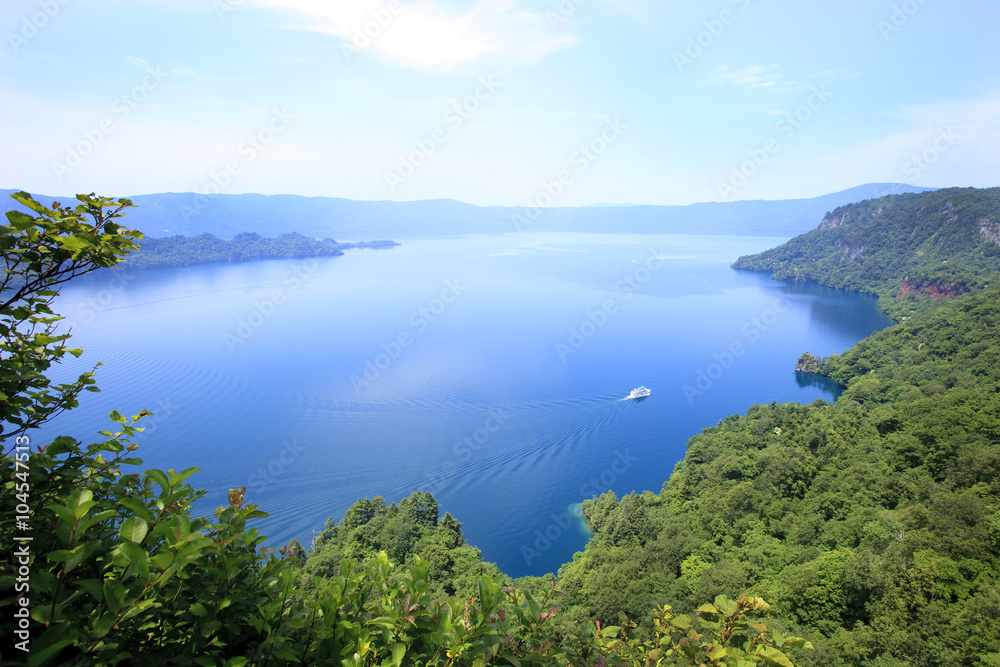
(169, 214)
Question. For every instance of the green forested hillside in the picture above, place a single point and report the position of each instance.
(185, 250)
(413, 528)
(907, 249)
(872, 525)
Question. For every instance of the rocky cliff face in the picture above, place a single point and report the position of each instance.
(838, 217)
(990, 230)
(929, 288)
(852, 251)
(809, 363)
(832, 221)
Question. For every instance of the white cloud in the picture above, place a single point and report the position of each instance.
(754, 76)
(425, 36)
(939, 145)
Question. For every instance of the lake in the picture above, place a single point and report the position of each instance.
(491, 370)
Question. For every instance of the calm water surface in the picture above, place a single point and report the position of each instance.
(491, 371)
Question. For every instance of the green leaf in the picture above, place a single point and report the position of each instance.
(114, 594)
(198, 609)
(133, 529)
(89, 548)
(775, 656)
(75, 244)
(725, 605)
(116, 416)
(80, 501)
(398, 652)
(92, 586)
(50, 643)
(136, 557)
(183, 475)
(158, 477)
(162, 560)
(136, 506)
(62, 555)
(718, 652)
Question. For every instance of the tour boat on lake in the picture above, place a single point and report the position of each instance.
(639, 392)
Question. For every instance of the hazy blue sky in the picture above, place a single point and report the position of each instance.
(500, 101)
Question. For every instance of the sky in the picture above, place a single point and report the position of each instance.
(498, 102)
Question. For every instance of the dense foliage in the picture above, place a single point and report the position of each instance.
(872, 525)
(38, 254)
(188, 250)
(413, 528)
(908, 249)
(106, 568)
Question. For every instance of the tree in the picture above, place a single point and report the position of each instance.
(421, 507)
(39, 253)
(451, 532)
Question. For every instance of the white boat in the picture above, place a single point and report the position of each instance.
(639, 392)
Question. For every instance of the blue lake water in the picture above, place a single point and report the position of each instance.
(490, 370)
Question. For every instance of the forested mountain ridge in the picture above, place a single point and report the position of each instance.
(908, 249)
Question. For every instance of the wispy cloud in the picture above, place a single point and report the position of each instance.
(941, 144)
(426, 36)
(981, 115)
(754, 76)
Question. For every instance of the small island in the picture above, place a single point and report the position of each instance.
(809, 363)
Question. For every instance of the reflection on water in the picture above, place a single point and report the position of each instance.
(837, 310)
(489, 370)
(821, 382)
